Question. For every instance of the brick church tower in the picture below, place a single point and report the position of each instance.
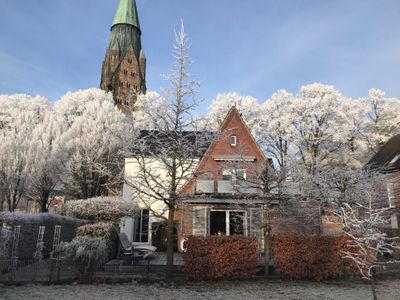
(124, 66)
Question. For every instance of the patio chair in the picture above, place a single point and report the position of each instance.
(125, 250)
(139, 252)
(146, 250)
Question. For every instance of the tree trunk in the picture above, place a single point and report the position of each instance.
(170, 244)
(44, 198)
(43, 206)
(267, 236)
(373, 288)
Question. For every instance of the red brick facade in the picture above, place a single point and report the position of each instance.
(225, 153)
(212, 169)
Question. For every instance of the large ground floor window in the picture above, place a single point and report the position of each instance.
(227, 222)
(141, 227)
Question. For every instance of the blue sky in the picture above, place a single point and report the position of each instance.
(253, 47)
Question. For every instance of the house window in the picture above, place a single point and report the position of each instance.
(237, 174)
(227, 222)
(232, 140)
(390, 191)
(141, 227)
(227, 174)
(240, 174)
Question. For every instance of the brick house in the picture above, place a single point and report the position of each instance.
(224, 195)
(387, 162)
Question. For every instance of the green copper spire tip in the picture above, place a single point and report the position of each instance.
(127, 14)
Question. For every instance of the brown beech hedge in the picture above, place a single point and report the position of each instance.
(221, 257)
(310, 257)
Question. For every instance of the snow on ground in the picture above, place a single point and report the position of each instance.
(257, 289)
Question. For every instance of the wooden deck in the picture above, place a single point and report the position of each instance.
(159, 259)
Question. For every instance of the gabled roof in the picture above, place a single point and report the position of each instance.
(234, 111)
(127, 14)
(215, 150)
(387, 159)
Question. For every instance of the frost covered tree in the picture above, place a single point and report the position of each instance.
(317, 125)
(273, 132)
(220, 106)
(47, 154)
(164, 158)
(363, 221)
(94, 140)
(151, 101)
(19, 116)
(383, 119)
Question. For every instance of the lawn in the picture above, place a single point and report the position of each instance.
(255, 289)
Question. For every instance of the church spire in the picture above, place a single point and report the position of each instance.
(124, 66)
(127, 14)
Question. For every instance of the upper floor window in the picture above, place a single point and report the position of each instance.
(227, 174)
(240, 174)
(233, 140)
(233, 174)
(390, 191)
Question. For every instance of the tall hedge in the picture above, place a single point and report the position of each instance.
(310, 256)
(221, 257)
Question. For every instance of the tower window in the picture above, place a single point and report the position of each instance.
(130, 61)
(121, 83)
(133, 74)
(232, 140)
(125, 72)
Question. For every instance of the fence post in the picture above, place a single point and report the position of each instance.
(54, 260)
(14, 251)
(38, 255)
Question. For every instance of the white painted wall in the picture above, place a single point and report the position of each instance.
(131, 170)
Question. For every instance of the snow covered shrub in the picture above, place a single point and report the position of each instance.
(107, 231)
(221, 257)
(100, 209)
(310, 257)
(85, 254)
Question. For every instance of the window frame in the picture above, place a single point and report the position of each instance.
(227, 220)
(233, 140)
(141, 223)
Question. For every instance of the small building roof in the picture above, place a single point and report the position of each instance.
(387, 159)
(195, 142)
